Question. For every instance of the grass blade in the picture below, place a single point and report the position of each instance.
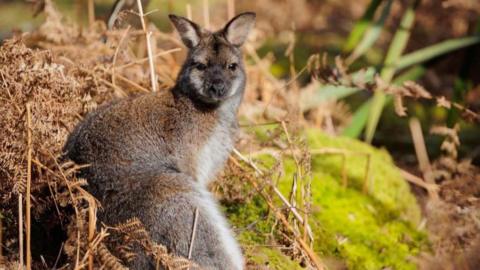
(361, 115)
(462, 83)
(328, 92)
(325, 93)
(395, 50)
(436, 50)
(372, 35)
(361, 26)
(359, 119)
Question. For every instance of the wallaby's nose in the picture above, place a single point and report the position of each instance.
(217, 88)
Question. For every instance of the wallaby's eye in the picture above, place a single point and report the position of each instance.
(200, 66)
(232, 66)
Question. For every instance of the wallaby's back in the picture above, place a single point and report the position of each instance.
(151, 133)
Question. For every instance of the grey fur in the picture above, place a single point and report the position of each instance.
(152, 156)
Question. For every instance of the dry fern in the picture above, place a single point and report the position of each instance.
(107, 260)
(133, 235)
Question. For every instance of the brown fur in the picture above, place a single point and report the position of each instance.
(152, 156)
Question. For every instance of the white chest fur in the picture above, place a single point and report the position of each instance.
(213, 154)
(225, 235)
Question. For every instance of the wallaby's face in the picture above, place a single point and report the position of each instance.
(213, 71)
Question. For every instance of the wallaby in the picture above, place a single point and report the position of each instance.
(153, 155)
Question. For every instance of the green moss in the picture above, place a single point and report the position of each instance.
(253, 226)
(372, 230)
(251, 219)
(273, 258)
(385, 184)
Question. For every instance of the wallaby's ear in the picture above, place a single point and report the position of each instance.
(237, 29)
(189, 31)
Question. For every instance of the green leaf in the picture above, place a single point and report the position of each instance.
(372, 35)
(329, 92)
(395, 50)
(324, 94)
(359, 119)
(361, 26)
(436, 50)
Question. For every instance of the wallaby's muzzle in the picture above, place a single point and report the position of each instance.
(217, 89)
(214, 93)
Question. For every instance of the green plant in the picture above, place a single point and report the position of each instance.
(395, 70)
(368, 221)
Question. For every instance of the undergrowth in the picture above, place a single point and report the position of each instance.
(372, 229)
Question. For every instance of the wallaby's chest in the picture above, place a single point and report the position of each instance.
(213, 153)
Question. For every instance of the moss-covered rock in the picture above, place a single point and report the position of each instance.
(375, 229)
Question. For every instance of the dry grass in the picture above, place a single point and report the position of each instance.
(44, 93)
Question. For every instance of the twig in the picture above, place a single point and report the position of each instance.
(344, 153)
(151, 12)
(29, 184)
(96, 242)
(20, 231)
(194, 232)
(58, 256)
(276, 191)
(91, 12)
(164, 36)
(140, 61)
(263, 124)
(307, 194)
(114, 14)
(311, 254)
(189, 11)
(265, 70)
(119, 91)
(336, 151)
(290, 143)
(92, 207)
(206, 15)
(132, 83)
(1, 239)
(432, 189)
(92, 221)
(344, 171)
(230, 9)
(74, 203)
(298, 176)
(419, 144)
(117, 50)
(153, 76)
(422, 156)
(368, 168)
(293, 192)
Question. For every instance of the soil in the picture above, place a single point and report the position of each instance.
(453, 221)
